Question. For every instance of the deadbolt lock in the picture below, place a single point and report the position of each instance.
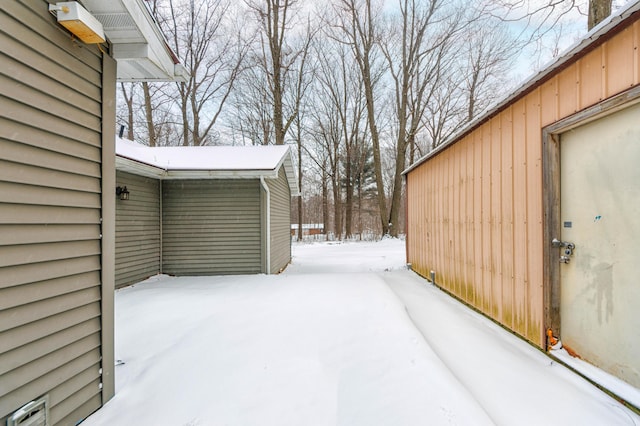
(568, 249)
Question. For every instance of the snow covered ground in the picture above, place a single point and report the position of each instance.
(345, 336)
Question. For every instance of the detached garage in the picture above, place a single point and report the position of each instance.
(202, 210)
(531, 213)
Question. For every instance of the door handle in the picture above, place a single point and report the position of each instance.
(568, 249)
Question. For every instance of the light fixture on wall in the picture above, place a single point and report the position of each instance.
(78, 21)
(122, 192)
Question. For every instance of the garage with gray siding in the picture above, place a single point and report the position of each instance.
(137, 228)
(211, 227)
(203, 210)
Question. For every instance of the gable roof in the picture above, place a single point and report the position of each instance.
(206, 162)
(594, 37)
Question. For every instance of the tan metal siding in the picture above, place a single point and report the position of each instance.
(137, 229)
(211, 227)
(280, 222)
(50, 201)
(492, 180)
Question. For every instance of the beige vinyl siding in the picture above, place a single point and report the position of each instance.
(137, 229)
(211, 227)
(50, 209)
(475, 209)
(280, 222)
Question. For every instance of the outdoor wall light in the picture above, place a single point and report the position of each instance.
(78, 21)
(122, 192)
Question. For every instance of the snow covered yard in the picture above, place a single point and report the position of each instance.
(345, 336)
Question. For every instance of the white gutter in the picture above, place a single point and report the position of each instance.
(268, 230)
(160, 225)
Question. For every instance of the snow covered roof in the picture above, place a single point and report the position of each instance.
(583, 45)
(206, 162)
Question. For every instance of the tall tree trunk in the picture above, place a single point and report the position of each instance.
(337, 208)
(300, 221)
(196, 137)
(401, 154)
(599, 10)
(360, 205)
(325, 198)
(348, 193)
(363, 38)
(377, 160)
(185, 114)
(128, 99)
(149, 114)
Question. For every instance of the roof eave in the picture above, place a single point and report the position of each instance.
(140, 168)
(139, 46)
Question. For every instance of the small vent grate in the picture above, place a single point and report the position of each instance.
(35, 413)
(116, 21)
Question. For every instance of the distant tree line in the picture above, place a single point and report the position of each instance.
(360, 89)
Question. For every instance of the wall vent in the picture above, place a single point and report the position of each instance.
(35, 413)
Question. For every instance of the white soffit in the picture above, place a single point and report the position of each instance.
(138, 44)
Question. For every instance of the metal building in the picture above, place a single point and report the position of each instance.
(531, 214)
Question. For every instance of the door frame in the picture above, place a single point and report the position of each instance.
(551, 195)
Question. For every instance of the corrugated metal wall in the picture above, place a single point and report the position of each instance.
(211, 227)
(50, 203)
(137, 229)
(475, 212)
(280, 222)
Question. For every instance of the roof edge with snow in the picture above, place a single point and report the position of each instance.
(206, 162)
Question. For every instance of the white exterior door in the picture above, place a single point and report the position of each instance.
(600, 214)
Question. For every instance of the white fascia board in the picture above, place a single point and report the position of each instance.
(292, 175)
(128, 165)
(220, 174)
(292, 180)
(157, 51)
(138, 44)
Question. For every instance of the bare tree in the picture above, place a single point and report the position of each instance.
(341, 90)
(445, 114)
(148, 108)
(599, 10)
(540, 17)
(489, 50)
(213, 53)
(277, 57)
(358, 20)
(128, 95)
(252, 107)
(415, 51)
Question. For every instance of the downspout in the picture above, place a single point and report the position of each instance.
(268, 224)
(160, 224)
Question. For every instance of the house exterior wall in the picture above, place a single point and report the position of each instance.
(52, 332)
(280, 222)
(211, 227)
(137, 229)
(475, 210)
